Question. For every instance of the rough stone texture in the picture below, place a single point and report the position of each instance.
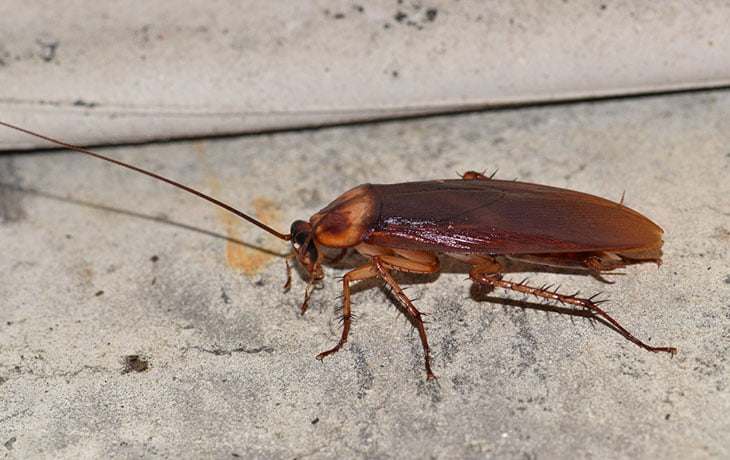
(142, 70)
(99, 264)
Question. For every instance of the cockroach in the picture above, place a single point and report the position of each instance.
(474, 219)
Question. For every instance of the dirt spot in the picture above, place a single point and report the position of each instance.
(134, 363)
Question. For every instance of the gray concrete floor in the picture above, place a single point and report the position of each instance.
(99, 263)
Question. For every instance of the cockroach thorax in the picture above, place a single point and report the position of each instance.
(347, 220)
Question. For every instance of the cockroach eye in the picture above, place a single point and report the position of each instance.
(300, 233)
(300, 227)
(300, 238)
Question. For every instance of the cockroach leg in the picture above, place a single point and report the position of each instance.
(628, 259)
(474, 175)
(287, 285)
(381, 266)
(411, 311)
(491, 274)
(360, 273)
(594, 262)
(312, 279)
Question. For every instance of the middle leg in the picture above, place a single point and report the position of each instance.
(381, 265)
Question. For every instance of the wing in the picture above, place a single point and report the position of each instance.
(504, 217)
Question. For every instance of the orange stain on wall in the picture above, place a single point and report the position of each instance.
(248, 259)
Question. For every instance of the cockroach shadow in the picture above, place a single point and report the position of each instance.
(137, 215)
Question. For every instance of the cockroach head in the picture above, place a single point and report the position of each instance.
(305, 245)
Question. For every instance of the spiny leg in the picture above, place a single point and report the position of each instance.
(491, 273)
(411, 311)
(312, 279)
(360, 273)
(287, 285)
(380, 266)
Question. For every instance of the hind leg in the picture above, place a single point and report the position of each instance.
(490, 272)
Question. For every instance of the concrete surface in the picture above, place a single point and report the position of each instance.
(99, 264)
(113, 72)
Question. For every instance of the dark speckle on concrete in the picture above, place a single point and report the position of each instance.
(9, 443)
(82, 103)
(135, 363)
(415, 16)
(48, 48)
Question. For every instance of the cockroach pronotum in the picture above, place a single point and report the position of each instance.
(475, 219)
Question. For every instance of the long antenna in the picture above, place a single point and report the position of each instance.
(223, 205)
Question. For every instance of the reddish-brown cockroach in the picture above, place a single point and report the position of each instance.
(402, 227)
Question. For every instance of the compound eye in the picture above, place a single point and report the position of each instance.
(299, 226)
(299, 232)
(300, 238)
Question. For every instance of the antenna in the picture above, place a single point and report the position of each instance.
(261, 225)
